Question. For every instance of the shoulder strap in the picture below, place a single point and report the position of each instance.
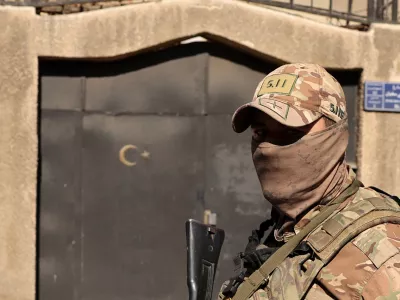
(255, 280)
(334, 234)
(395, 198)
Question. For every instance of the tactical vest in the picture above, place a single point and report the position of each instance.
(295, 275)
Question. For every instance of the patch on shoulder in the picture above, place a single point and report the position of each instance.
(375, 244)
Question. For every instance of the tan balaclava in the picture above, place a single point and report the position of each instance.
(297, 176)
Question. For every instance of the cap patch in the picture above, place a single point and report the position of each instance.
(278, 84)
(280, 108)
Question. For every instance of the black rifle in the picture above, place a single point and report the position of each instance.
(204, 243)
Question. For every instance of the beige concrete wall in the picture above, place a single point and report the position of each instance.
(125, 30)
(380, 132)
(18, 153)
(143, 26)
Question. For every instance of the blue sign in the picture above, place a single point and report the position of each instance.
(382, 96)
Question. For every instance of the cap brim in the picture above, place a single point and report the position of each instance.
(282, 112)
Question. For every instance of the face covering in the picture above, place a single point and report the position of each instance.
(295, 177)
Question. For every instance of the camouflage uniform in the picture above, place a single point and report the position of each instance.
(365, 267)
(368, 267)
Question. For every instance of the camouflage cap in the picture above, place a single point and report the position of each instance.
(295, 95)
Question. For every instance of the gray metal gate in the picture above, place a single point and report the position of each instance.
(130, 149)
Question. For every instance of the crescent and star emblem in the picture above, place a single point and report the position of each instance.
(125, 160)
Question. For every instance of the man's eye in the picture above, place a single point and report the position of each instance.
(259, 134)
(293, 135)
(292, 132)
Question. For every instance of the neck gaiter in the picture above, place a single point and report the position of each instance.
(295, 177)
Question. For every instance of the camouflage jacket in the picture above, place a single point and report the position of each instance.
(366, 267)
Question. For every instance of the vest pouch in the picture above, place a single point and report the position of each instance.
(294, 277)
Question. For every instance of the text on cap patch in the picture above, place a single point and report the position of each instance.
(278, 84)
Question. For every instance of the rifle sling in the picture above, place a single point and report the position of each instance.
(255, 280)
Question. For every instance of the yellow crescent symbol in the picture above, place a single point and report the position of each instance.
(123, 158)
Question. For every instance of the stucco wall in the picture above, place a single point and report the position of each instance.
(380, 132)
(114, 31)
(122, 30)
(18, 153)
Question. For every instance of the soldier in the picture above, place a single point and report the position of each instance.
(332, 238)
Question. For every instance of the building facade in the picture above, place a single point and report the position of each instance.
(92, 81)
